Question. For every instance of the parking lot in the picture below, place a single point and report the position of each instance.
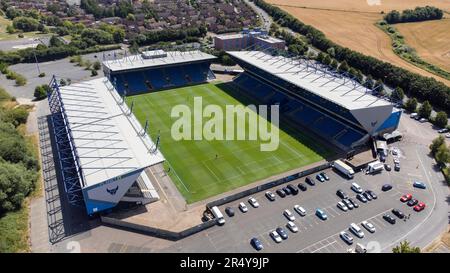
(316, 235)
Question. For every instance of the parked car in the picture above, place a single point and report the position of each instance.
(355, 229)
(300, 210)
(342, 206)
(387, 167)
(346, 237)
(275, 236)
(396, 160)
(397, 167)
(398, 213)
(320, 178)
(356, 188)
(282, 233)
(293, 189)
(413, 115)
(419, 184)
(253, 202)
(412, 202)
(372, 194)
(270, 195)
(361, 198)
(341, 194)
(281, 193)
(444, 130)
(406, 197)
(288, 214)
(369, 226)
(321, 214)
(256, 243)
(324, 175)
(419, 207)
(386, 187)
(287, 191)
(243, 207)
(367, 196)
(229, 211)
(302, 187)
(422, 120)
(447, 135)
(310, 181)
(292, 226)
(354, 203)
(389, 218)
(347, 203)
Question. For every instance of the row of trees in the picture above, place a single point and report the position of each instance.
(18, 164)
(413, 84)
(440, 151)
(416, 15)
(167, 35)
(424, 111)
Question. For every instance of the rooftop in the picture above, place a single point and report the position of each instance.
(109, 142)
(172, 57)
(313, 77)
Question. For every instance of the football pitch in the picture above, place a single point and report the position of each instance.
(202, 168)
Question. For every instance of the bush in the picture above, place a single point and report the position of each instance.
(42, 74)
(40, 92)
(20, 80)
(15, 184)
(411, 105)
(97, 65)
(26, 24)
(94, 73)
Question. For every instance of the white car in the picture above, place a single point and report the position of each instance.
(395, 151)
(356, 188)
(447, 135)
(289, 215)
(292, 227)
(253, 202)
(342, 206)
(346, 237)
(369, 226)
(414, 115)
(396, 160)
(300, 210)
(422, 120)
(243, 207)
(275, 236)
(356, 230)
(444, 130)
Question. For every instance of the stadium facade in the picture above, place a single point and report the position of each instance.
(331, 105)
(103, 150)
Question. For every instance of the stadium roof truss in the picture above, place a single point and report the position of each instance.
(98, 139)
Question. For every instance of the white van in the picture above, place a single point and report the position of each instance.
(356, 188)
(356, 230)
(218, 215)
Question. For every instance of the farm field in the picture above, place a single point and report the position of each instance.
(430, 40)
(351, 23)
(202, 168)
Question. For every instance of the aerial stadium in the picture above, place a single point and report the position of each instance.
(109, 131)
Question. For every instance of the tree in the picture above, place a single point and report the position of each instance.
(436, 143)
(327, 60)
(94, 73)
(398, 94)
(411, 104)
(331, 51)
(21, 80)
(343, 67)
(425, 109)
(10, 29)
(442, 155)
(15, 184)
(26, 24)
(404, 247)
(334, 64)
(39, 92)
(131, 17)
(96, 65)
(441, 119)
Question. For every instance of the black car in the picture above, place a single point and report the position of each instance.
(387, 167)
(389, 219)
(398, 213)
(324, 175)
(302, 186)
(282, 233)
(256, 243)
(293, 189)
(287, 191)
(367, 196)
(270, 195)
(310, 181)
(348, 204)
(396, 167)
(229, 211)
(355, 205)
(281, 193)
(412, 202)
(341, 194)
(372, 194)
(386, 187)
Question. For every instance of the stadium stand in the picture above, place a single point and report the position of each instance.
(333, 106)
(156, 70)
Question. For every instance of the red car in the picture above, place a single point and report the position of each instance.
(419, 207)
(406, 198)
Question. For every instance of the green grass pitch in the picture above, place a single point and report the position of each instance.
(195, 170)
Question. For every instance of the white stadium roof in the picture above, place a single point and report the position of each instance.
(108, 141)
(341, 91)
(160, 58)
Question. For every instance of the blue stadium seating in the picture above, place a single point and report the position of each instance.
(300, 112)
